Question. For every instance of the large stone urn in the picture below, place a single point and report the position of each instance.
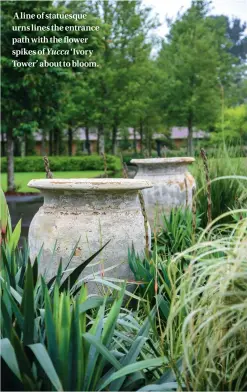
(172, 185)
(92, 211)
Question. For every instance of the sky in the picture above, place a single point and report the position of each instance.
(170, 8)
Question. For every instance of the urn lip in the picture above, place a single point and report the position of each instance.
(153, 161)
(85, 184)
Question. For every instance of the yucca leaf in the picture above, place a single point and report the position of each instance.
(28, 383)
(76, 355)
(56, 277)
(15, 237)
(50, 330)
(169, 375)
(134, 367)
(27, 306)
(134, 381)
(45, 362)
(108, 331)
(63, 333)
(35, 271)
(102, 350)
(15, 294)
(16, 311)
(22, 359)
(167, 386)
(7, 265)
(7, 352)
(74, 275)
(111, 320)
(5, 320)
(93, 302)
(129, 358)
(90, 351)
(4, 212)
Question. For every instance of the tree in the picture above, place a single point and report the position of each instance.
(233, 127)
(191, 58)
(33, 95)
(235, 34)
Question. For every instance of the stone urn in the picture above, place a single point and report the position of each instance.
(172, 185)
(92, 211)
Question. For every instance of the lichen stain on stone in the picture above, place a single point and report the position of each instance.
(190, 180)
(181, 184)
(77, 252)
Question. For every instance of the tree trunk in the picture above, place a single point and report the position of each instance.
(3, 144)
(43, 144)
(56, 141)
(23, 145)
(114, 139)
(134, 140)
(70, 140)
(101, 140)
(158, 148)
(60, 142)
(10, 161)
(149, 143)
(27, 141)
(50, 142)
(17, 147)
(87, 141)
(190, 151)
(141, 135)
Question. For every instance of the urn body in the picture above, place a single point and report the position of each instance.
(85, 214)
(172, 185)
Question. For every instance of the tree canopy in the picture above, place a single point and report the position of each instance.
(197, 73)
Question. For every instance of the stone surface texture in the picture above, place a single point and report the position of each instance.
(93, 212)
(172, 185)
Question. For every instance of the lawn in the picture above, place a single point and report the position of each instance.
(22, 179)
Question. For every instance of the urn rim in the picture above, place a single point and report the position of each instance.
(85, 184)
(154, 161)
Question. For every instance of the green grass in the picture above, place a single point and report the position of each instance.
(22, 179)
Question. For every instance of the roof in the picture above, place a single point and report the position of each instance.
(183, 132)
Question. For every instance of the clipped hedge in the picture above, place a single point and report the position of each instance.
(58, 163)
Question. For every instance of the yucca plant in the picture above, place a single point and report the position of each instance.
(56, 337)
(207, 324)
(65, 346)
(151, 272)
(152, 278)
(177, 233)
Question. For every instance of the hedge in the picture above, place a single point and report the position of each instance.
(58, 163)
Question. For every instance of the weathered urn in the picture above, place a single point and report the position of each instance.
(92, 211)
(172, 185)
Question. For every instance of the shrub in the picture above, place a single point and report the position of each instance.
(58, 163)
